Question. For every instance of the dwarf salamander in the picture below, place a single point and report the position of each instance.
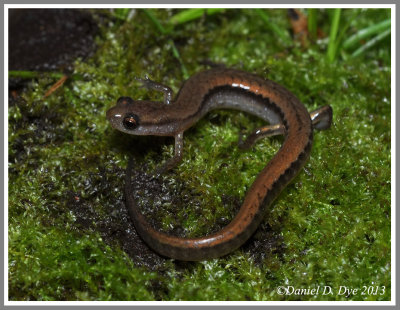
(221, 88)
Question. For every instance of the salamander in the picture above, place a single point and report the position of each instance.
(221, 88)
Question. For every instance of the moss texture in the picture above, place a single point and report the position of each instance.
(70, 237)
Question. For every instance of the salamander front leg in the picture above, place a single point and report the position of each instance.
(149, 84)
(172, 162)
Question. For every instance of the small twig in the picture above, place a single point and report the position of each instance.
(299, 25)
(55, 86)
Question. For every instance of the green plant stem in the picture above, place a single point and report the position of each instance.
(371, 42)
(164, 31)
(278, 31)
(155, 21)
(191, 14)
(312, 23)
(366, 32)
(332, 46)
(121, 14)
(35, 74)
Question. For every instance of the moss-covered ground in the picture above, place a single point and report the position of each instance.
(69, 235)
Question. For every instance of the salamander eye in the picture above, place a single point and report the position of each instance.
(131, 121)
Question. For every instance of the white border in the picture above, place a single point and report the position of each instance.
(5, 111)
(393, 153)
(192, 303)
(199, 303)
(181, 6)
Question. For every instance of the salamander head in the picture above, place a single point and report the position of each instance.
(137, 117)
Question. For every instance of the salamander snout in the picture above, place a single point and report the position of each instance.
(124, 101)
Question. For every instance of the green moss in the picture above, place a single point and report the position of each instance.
(331, 226)
(49, 264)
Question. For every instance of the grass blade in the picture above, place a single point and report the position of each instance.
(122, 14)
(155, 21)
(35, 74)
(366, 32)
(332, 46)
(312, 23)
(283, 34)
(164, 31)
(371, 42)
(191, 14)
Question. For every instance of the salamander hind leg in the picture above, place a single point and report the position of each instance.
(262, 132)
(322, 117)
